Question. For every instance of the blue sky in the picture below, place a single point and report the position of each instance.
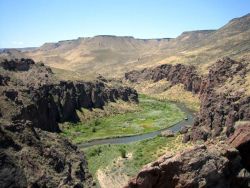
(33, 22)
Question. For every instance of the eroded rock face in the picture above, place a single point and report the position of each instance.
(46, 101)
(202, 166)
(17, 65)
(176, 74)
(241, 140)
(220, 108)
(58, 102)
(32, 103)
(34, 158)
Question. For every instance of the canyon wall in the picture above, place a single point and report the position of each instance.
(184, 74)
(224, 116)
(34, 158)
(46, 101)
(32, 103)
(223, 94)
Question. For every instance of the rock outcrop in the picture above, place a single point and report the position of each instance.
(46, 101)
(33, 158)
(221, 104)
(186, 75)
(224, 95)
(241, 140)
(17, 65)
(50, 104)
(32, 103)
(201, 166)
(167, 133)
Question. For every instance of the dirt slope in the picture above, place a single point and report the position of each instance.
(112, 55)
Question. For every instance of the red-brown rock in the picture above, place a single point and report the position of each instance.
(218, 110)
(201, 166)
(241, 140)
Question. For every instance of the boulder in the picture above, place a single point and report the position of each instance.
(186, 138)
(200, 166)
(11, 94)
(11, 175)
(4, 80)
(167, 133)
(184, 130)
(241, 140)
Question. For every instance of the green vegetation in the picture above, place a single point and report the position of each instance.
(191, 100)
(164, 91)
(143, 152)
(151, 115)
(123, 152)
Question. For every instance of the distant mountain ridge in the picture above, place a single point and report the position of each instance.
(112, 55)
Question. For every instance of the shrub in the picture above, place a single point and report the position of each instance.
(97, 122)
(123, 152)
(93, 129)
(95, 152)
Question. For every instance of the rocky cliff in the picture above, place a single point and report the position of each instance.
(224, 117)
(186, 75)
(35, 95)
(31, 157)
(224, 93)
(210, 165)
(225, 99)
(32, 103)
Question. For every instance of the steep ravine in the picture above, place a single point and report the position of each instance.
(221, 103)
(58, 102)
(32, 104)
(223, 122)
(46, 102)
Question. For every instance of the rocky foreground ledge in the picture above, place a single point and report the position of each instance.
(214, 164)
(32, 103)
(202, 166)
(31, 157)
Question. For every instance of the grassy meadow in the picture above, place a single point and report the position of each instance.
(151, 115)
(110, 158)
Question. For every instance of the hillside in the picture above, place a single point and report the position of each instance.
(97, 54)
(113, 111)
(113, 55)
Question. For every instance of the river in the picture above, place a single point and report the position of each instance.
(127, 139)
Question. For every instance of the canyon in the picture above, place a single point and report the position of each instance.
(221, 107)
(45, 90)
(31, 108)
